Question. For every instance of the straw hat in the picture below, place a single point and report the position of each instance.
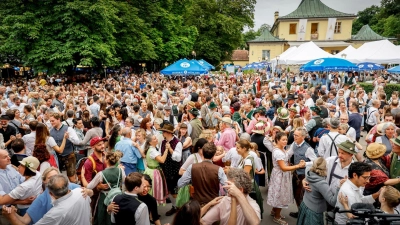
(227, 120)
(375, 150)
(278, 128)
(283, 113)
(31, 163)
(379, 128)
(261, 127)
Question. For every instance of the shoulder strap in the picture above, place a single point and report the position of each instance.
(195, 158)
(369, 114)
(333, 144)
(320, 132)
(93, 163)
(332, 171)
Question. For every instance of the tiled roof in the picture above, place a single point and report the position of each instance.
(266, 36)
(240, 55)
(314, 9)
(367, 34)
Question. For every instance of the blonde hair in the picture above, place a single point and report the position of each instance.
(47, 171)
(392, 196)
(298, 122)
(113, 157)
(319, 167)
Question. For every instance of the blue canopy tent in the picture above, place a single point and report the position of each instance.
(328, 64)
(369, 66)
(254, 66)
(206, 64)
(184, 67)
(395, 69)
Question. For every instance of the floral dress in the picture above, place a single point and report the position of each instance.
(280, 191)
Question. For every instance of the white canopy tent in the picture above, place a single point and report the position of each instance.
(347, 51)
(284, 54)
(304, 53)
(382, 52)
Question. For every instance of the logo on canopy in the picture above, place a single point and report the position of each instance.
(370, 65)
(201, 62)
(185, 72)
(360, 66)
(318, 61)
(185, 65)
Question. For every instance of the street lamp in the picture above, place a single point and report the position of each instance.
(277, 65)
(194, 54)
(143, 65)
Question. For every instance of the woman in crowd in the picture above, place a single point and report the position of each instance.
(154, 158)
(186, 141)
(297, 122)
(115, 137)
(380, 173)
(389, 132)
(43, 136)
(195, 157)
(280, 193)
(113, 176)
(147, 125)
(314, 203)
(248, 164)
(111, 121)
(46, 159)
(32, 186)
(305, 113)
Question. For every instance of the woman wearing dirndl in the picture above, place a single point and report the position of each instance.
(153, 159)
(280, 191)
(113, 176)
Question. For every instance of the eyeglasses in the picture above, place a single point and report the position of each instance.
(366, 177)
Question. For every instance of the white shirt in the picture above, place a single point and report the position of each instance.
(352, 133)
(371, 118)
(325, 144)
(29, 188)
(354, 195)
(20, 107)
(309, 103)
(71, 209)
(29, 141)
(233, 156)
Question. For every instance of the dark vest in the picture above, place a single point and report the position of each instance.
(318, 121)
(205, 182)
(58, 136)
(281, 124)
(299, 153)
(387, 143)
(127, 208)
(259, 140)
(170, 167)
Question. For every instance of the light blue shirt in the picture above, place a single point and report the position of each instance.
(9, 179)
(131, 153)
(95, 109)
(42, 204)
(187, 176)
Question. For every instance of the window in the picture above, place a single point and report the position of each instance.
(338, 27)
(265, 55)
(314, 28)
(292, 28)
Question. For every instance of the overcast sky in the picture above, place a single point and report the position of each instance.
(265, 9)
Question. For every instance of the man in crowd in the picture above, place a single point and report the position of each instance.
(355, 119)
(128, 204)
(359, 175)
(205, 176)
(228, 135)
(29, 139)
(328, 143)
(130, 151)
(172, 164)
(67, 159)
(314, 123)
(196, 125)
(9, 132)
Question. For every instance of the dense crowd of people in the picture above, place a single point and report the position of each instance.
(115, 149)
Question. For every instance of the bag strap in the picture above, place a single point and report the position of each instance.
(93, 163)
(320, 132)
(332, 174)
(369, 115)
(119, 173)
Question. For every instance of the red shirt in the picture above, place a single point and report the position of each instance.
(100, 166)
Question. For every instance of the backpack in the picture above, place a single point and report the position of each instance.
(114, 191)
(80, 164)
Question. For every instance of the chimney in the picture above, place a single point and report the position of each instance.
(276, 15)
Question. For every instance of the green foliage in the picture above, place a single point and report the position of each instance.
(384, 20)
(389, 88)
(252, 34)
(220, 24)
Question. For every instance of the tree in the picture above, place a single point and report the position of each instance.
(220, 24)
(248, 36)
(367, 16)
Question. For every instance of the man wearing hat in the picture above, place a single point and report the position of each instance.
(205, 108)
(213, 115)
(169, 117)
(337, 167)
(283, 117)
(314, 123)
(172, 164)
(228, 135)
(259, 115)
(395, 161)
(291, 103)
(196, 125)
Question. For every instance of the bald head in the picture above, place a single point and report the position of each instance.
(126, 132)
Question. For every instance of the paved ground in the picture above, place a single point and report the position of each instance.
(267, 219)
